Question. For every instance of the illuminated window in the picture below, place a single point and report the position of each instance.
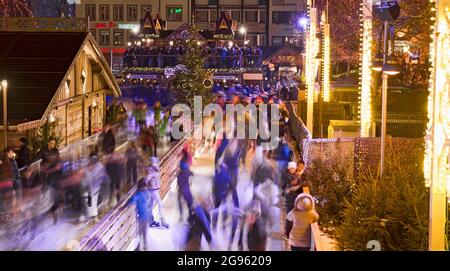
(118, 12)
(104, 12)
(104, 37)
(118, 37)
(174, 13)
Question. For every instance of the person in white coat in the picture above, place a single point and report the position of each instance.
(302, 216)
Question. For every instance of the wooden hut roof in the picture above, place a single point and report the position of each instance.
(35, 65)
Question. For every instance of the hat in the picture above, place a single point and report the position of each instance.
(154, 161)
(292, 165)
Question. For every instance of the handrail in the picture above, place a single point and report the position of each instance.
(298, 128)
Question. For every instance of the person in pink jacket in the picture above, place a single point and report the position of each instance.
(302, 216)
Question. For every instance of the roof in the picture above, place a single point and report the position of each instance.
(286, 53)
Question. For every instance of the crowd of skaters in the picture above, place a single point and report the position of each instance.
(222, 55)
(255, 219)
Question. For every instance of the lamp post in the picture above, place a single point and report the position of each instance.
(388, 11)
(5, 113)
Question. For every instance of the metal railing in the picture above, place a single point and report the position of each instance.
(298, 128)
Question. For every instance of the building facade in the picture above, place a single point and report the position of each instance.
(111, 22)
(267, 22)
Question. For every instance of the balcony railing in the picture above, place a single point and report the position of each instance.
(218, 62)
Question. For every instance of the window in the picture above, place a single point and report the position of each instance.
(104, 12)
(236, 15)
(144, 9)
(251, 16)
(253, 40)
(261, 40)
(118, 12)
(174, 13)
(104, 37)
(213, 16)
(278, 2)
(132, 13)
(282, 17)
(262, 16)
(262, 2)
(277, 40)
(201, 16)
(118, 37)
(212, 2)
(90, 12)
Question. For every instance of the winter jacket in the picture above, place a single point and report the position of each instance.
(152, 177)
(140, 199)
(302, 218)
(222, 181)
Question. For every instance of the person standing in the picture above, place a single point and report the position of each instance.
(24, 155)
(140, 199)
(302, 216)
(9, 153)
(132, 156)
(153, 180)
(109, 141)
(116, 171)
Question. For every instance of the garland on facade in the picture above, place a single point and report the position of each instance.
(213, 70)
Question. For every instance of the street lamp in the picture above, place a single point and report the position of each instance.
(387, 11)
(243, 31)
(5, 113)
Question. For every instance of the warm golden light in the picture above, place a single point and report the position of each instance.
(366, 72)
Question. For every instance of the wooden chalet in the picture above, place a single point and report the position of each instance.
(55, 76)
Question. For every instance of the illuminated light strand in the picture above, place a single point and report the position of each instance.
(365, 69)
(326, 58)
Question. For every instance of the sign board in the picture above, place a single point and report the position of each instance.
(224, 77)
(129, 26)
(105, 25)
(253, 76)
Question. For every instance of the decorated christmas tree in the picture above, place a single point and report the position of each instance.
(190, 75)
(46, 132)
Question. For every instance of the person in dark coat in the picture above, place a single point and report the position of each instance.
(9, 153)
(285, 93)
(184, 189)
(221, 150)
(115, 167)
(132, 156)
(24, 154)
(109, 141)
(199, 221)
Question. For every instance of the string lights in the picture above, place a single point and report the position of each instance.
(437, 141)
(365, 79)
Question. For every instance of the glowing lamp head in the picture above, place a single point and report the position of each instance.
(135, 30)
(139, 43)
(242, 30)
(171, 43)
(4, 84)
(302, 22)
(391, 67)
(129, 44)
